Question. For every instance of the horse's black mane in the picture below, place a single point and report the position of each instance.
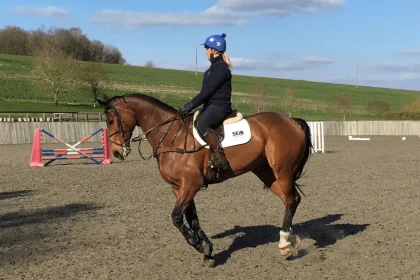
(145, 97)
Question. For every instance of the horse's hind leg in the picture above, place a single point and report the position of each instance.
(265, 174)
(282, 185)
(284, 188)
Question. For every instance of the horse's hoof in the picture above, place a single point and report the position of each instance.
(208, 262)
(294, 242)
(285, 251)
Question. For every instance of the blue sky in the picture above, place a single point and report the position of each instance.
(316, 40)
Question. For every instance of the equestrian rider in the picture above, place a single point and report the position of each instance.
(215, 95)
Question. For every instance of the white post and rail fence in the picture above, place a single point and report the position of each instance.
(23, 132)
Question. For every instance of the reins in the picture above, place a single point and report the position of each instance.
(171, 120)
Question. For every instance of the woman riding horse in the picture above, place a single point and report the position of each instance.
(215, 94)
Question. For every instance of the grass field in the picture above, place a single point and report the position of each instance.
(18, 93)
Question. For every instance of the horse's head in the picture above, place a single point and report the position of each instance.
(120, 122)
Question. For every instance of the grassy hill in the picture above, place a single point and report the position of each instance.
(18, 92)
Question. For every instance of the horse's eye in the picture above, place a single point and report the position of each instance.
(111, 122)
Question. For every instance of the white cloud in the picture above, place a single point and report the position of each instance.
(410, 77)
(299, 64)
(412, 52)
(136, 20)
(49, 11)
(316, 60)
(388, 75)
(249, 8)
(383, 82)
(398, 67)
(244, 64)
(223, 13)
(304, 63)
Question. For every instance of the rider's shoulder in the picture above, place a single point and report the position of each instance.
(220, 65)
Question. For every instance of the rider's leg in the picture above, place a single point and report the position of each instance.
(210, 118)
(220, 160)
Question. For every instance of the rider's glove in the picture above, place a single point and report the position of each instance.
(186, 108)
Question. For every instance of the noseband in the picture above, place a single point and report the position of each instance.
(126, 134)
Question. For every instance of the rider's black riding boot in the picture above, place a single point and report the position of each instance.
(220, 160)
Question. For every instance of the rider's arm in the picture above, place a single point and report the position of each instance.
(214, 81)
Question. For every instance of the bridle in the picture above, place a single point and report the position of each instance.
(126, 134)
(144, 135)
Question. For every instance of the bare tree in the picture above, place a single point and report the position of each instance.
(72, 41)
(290, 100)
(150, 64)
(38, 38)
(97, 51)
(94, 75)
(343, 105)
(14, 40)
(112, 55)
(53, 71)
(260, 100)
(378, 107)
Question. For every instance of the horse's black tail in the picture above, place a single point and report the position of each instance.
(308, 150)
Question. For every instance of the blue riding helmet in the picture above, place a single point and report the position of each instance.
(216, 42)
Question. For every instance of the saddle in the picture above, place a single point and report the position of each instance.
(233, 117)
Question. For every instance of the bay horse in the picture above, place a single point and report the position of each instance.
(276, 150)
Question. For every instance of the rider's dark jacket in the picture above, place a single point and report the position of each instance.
(217, 86)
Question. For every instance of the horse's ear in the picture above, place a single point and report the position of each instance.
(103, 102)
(105, 98)
(100, 102)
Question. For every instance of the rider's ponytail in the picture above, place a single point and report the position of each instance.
(227, 60)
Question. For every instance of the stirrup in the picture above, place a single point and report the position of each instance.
(220, 161)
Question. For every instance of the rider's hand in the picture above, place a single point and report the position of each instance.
(186, 108)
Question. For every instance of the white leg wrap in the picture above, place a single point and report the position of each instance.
(284, 239)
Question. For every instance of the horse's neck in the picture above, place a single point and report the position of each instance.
(150, 117)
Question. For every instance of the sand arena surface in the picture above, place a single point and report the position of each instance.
(77, 220)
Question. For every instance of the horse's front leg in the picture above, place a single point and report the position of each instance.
(204, 244)
(184, 199)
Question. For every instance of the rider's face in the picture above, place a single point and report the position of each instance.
(210, 52)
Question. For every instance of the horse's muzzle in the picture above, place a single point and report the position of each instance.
(125, 152)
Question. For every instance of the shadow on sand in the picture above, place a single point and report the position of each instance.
(47, 215)
(30, 235)
(321, 230)
(15, 194)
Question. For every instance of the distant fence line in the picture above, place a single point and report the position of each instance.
(72, 132)
(344, 128)
(40, 116)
